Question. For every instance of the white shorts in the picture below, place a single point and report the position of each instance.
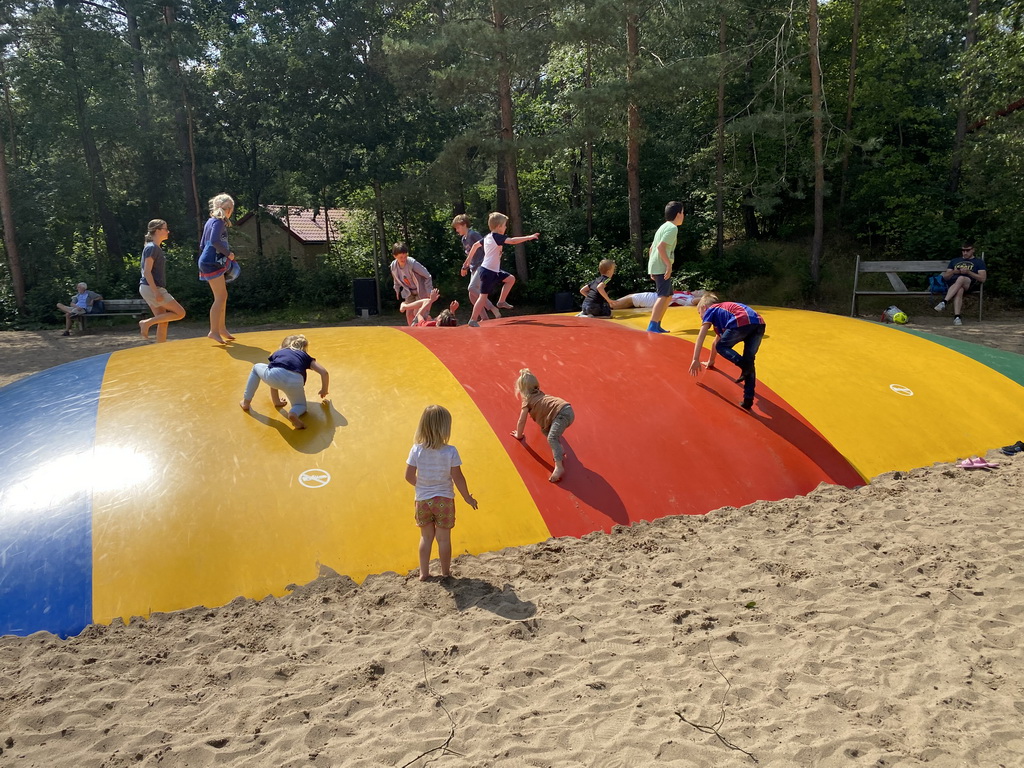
(155, 299)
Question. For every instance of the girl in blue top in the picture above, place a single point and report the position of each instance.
(214, 255)
(733, 322)
(287, 372)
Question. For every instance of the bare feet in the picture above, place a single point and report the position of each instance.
(215, 337)
(497, 314)
(279, 403)
(227, 335)
(296, 421)
(504, 305)
(144, 329)
(557, 474)
(424, 577)
(244, 405)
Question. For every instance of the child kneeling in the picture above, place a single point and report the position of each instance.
(287, 372)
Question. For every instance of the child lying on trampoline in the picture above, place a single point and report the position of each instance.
(419, 311)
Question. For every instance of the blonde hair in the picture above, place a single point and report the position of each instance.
(435, 427)
(527, 383)
(152, 227)
(460, 219)
(298, 341)
(496, 219)
(606, 266)
(218, 206)
(706, 301)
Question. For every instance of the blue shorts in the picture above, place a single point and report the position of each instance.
(489, 279)
(211, 264)
(663, 287)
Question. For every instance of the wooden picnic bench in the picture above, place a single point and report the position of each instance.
(891, 269)
(136, 308)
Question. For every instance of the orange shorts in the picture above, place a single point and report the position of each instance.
(439, 511)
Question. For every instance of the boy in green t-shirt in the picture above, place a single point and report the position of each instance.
(659, 264)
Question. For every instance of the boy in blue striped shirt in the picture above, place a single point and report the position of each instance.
(733, 322)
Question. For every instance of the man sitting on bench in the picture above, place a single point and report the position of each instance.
(963, 275)
(81, 304)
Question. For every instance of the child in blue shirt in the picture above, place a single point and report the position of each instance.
(287, 372)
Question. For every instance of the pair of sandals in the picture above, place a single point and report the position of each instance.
(1013, 450)
(976, 462)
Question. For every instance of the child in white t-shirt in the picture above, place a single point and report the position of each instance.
(435, 469)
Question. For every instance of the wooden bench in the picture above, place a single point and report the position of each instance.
(136, 308)
(892, 270)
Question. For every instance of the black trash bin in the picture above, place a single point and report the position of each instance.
(364, 295)
(564, 302)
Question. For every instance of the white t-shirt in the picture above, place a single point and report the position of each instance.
(434, 470)
(679, 299)
(492, 251)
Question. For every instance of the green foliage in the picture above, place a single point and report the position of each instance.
(347, 104)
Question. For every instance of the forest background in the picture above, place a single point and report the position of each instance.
(796, 135)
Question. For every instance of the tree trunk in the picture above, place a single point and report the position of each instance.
(97, 178)
(589, 150)
(184, 134)
(633, 137)
(379, 257)
(507, 151)
(149, 170)
(10, 239)
(855, 36)
(720, 148)
(819, 160)
(961, 118)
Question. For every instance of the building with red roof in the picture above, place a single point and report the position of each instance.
(304, 234)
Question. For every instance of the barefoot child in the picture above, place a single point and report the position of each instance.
(287, 371)
(552, 414)
(733, 323)
(491, 273)
(434, 467)
(153, 283)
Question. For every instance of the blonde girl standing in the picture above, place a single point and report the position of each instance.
(435, 469)
(214, 257)
(552, 414)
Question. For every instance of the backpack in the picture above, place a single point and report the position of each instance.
(936, 284)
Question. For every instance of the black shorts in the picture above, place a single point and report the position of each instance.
(489, 279)
(663, 287)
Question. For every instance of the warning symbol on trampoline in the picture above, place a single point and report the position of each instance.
(899, 389)
(315, 478)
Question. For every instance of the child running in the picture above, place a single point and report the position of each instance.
(597, 302)
(473, 247)
(434, 467)
(287, 371)
(733, 322)
(491, 273)
(552, 414)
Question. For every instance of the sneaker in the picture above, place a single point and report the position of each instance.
(747, 405)
(940, 306)
(473, 324)
(957, 320)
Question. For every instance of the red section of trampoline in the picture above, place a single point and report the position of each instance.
(648, 440)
